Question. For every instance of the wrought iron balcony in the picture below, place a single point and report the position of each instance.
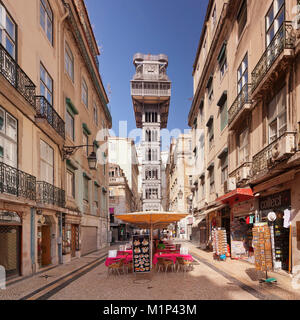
(241, 100)
(278, 150)
(46, 111)
(17, 182)
(283, 39)
(16, 76)
(46, 193)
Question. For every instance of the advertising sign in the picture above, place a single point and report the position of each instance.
(141, 253)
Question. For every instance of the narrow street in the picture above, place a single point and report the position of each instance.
(86, 278)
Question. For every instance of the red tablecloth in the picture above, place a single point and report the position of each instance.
(109, 261)
(164, 250)
(172, 256)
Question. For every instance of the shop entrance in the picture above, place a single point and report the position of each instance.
(44, 241)
(10, 242)
(73, 241)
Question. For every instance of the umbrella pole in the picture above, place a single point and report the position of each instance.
(151, 246)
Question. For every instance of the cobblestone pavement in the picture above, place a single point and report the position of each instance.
(86, 278)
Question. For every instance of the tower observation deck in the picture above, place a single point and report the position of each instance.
(151, 93)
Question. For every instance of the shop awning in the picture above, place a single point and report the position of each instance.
(154, 219)
(237, 195)
(199, 219)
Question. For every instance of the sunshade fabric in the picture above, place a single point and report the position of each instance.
(155, 219)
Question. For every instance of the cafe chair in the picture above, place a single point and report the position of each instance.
(183, 264)
(165, 264)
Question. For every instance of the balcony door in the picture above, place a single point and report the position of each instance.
(8, 139)
(46, 163)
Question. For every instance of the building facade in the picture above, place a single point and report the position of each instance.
(179, 172)
(151, 92)
(245, 117)
(49, 88)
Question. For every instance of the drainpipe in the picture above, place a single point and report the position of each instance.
(32, 239)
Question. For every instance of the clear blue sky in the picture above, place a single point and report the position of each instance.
(124, 27)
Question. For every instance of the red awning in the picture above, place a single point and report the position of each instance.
(237, 195)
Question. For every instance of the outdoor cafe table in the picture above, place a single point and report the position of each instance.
(124, 252)
(171, 256)
(109, 261)
(167, 250)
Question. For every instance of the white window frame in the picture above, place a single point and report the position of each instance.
(46, 161)
(46, 11)
(70, 177)
(47, 84)
(69, 62)
(243, 146)
(84, 93)
(5, 34)
(70, 126)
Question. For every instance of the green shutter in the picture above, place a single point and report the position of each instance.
(70, 107)
(86, 129)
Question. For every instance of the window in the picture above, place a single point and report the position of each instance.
(214, 19)
(242, 18)
(224, 168)
(243, 149)
(8, 139)
(70, 125)
(70, 184)
(152, 193)
(95, 114)
(224, 115)
(84, 93)
(96, 191)
(274, 19)
(204, 49)
(46, 19)
(211, 132)
(277, 118)
(242, 75)
(85, 189)
(210, 89)
(7, 32)
(47, 162)
(69, 62)
(202, 189)
(222, 59)
(212, 180)
(190, 181)
(46, 85)
(85, 141)
(151, 117)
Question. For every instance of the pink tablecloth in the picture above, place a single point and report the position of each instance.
(109, 261)
(172, 256)
(164, 250)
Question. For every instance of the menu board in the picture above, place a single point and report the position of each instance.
(141, 253)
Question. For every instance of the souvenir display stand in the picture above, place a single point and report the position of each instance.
(141, 253)
(263, 250)
(220, 243)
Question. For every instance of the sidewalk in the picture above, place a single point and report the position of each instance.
(245, 272)
(20, 287)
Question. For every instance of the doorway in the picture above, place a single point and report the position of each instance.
(44, 245)
(73, 241)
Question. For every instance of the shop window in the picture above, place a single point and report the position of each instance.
(277, 116)
(8, 139)
(7, 32)
(67, 238)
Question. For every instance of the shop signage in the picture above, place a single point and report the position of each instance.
(244, 207)
(281, 199)
(141, 253)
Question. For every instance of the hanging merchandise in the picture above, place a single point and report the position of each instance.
(220, 243)
(287, 218)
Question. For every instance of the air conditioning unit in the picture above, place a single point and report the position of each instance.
(231, 184)
(243, 174)
(282, 148)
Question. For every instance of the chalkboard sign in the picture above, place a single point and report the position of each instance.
(141, 253)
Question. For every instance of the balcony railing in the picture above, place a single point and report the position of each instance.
(283, 39)
(46, 193)
(46, 111)
(242, 173)
(262, 160)
(151, 92)
(16, 76)
(17, 182)
(242, 99)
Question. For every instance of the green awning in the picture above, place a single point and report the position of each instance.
(70, 106)
(97, 184)
(86, 129)
(96, 143)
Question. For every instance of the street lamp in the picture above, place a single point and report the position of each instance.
(92, 158)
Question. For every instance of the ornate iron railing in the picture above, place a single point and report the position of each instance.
(46, 111)
(17, 182)
(260, 161)
(242, 99)
(283, 39)
(48, 194)
(16, 76)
